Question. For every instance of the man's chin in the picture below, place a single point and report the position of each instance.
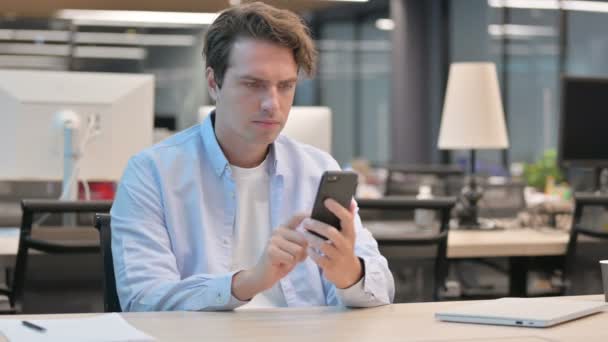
(267, 139)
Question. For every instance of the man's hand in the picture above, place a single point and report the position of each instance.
(338, 261)
(284, 251)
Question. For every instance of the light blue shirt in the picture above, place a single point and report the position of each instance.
(173, 227)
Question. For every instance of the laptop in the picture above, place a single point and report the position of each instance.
(526, 312)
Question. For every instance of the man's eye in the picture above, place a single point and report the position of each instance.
(252, 85)
(287, 86)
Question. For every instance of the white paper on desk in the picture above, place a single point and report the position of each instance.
(104, 327)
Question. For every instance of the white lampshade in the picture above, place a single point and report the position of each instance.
(473, 116)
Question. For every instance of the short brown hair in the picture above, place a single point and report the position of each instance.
(259, 21)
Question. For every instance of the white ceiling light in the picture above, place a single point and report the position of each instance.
(136, 18)
(110, 52)
(134, 39)
(538, 4)
(36, 35)
(35, 49)
(586, 6)
(385, 24)
(524, 31)
(570, 5)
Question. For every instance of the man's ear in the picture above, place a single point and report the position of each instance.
(212, 86)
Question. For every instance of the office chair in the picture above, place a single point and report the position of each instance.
(415, 246)
(404, 180)
(586, 247)
(502, 200)
(110, 296)
(66, 242)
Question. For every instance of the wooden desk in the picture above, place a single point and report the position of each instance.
(398, 322)
(516, 244)
(461, 244)
(507, 243)
(9, 238)
(481, 244)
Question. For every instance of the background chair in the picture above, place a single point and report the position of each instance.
(404, 180)
(417, 255)
(502, 199)
(588, 244)
(66, 281)
(110, 296)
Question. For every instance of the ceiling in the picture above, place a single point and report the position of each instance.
(46, 8)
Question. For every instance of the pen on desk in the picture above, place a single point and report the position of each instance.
(33, 326)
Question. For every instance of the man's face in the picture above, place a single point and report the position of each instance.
(256, 94)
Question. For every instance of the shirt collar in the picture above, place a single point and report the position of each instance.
(218, 159)
(212, 147)
(277, 157)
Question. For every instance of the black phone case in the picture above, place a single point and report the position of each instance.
(339, 185)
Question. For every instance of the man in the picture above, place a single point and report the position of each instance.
(206, 220)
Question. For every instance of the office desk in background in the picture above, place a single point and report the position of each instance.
(516, 244)
(461, 243)
(480, 244)
(397, 322)
(9, 238)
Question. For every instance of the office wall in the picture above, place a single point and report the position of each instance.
(527, 46)
(180, 81)
(375, 79)
(469, 41)
(587, 38)
(353, 79)
(173, 55)
(337, 85)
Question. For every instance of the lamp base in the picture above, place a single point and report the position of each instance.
(467, 210)
(479, 225)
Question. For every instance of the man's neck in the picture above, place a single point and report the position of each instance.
(240, 153)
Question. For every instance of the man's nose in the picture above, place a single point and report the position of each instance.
(270, 102)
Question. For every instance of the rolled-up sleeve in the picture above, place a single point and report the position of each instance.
(147, 276)
(376, 287)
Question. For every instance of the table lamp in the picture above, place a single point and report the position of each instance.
(473, 119)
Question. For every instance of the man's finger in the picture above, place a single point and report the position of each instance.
(278, 256)
(294, 249)
(330, 251)
(295, 221)
(346, 217)
(319, 259)
(329, 232)
(292, 235)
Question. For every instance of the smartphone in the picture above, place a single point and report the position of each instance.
(338, 185)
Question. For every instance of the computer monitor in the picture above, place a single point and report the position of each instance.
(584, 118)
(32, 139)
(306, 124)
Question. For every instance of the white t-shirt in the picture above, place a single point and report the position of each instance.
(252, 229)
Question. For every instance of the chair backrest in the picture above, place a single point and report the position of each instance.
(502, 200)
(110, 296)
(62, 240)
(404, 180)
(417, 243)
(581, 266)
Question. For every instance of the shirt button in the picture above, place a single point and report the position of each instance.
(218, 299)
